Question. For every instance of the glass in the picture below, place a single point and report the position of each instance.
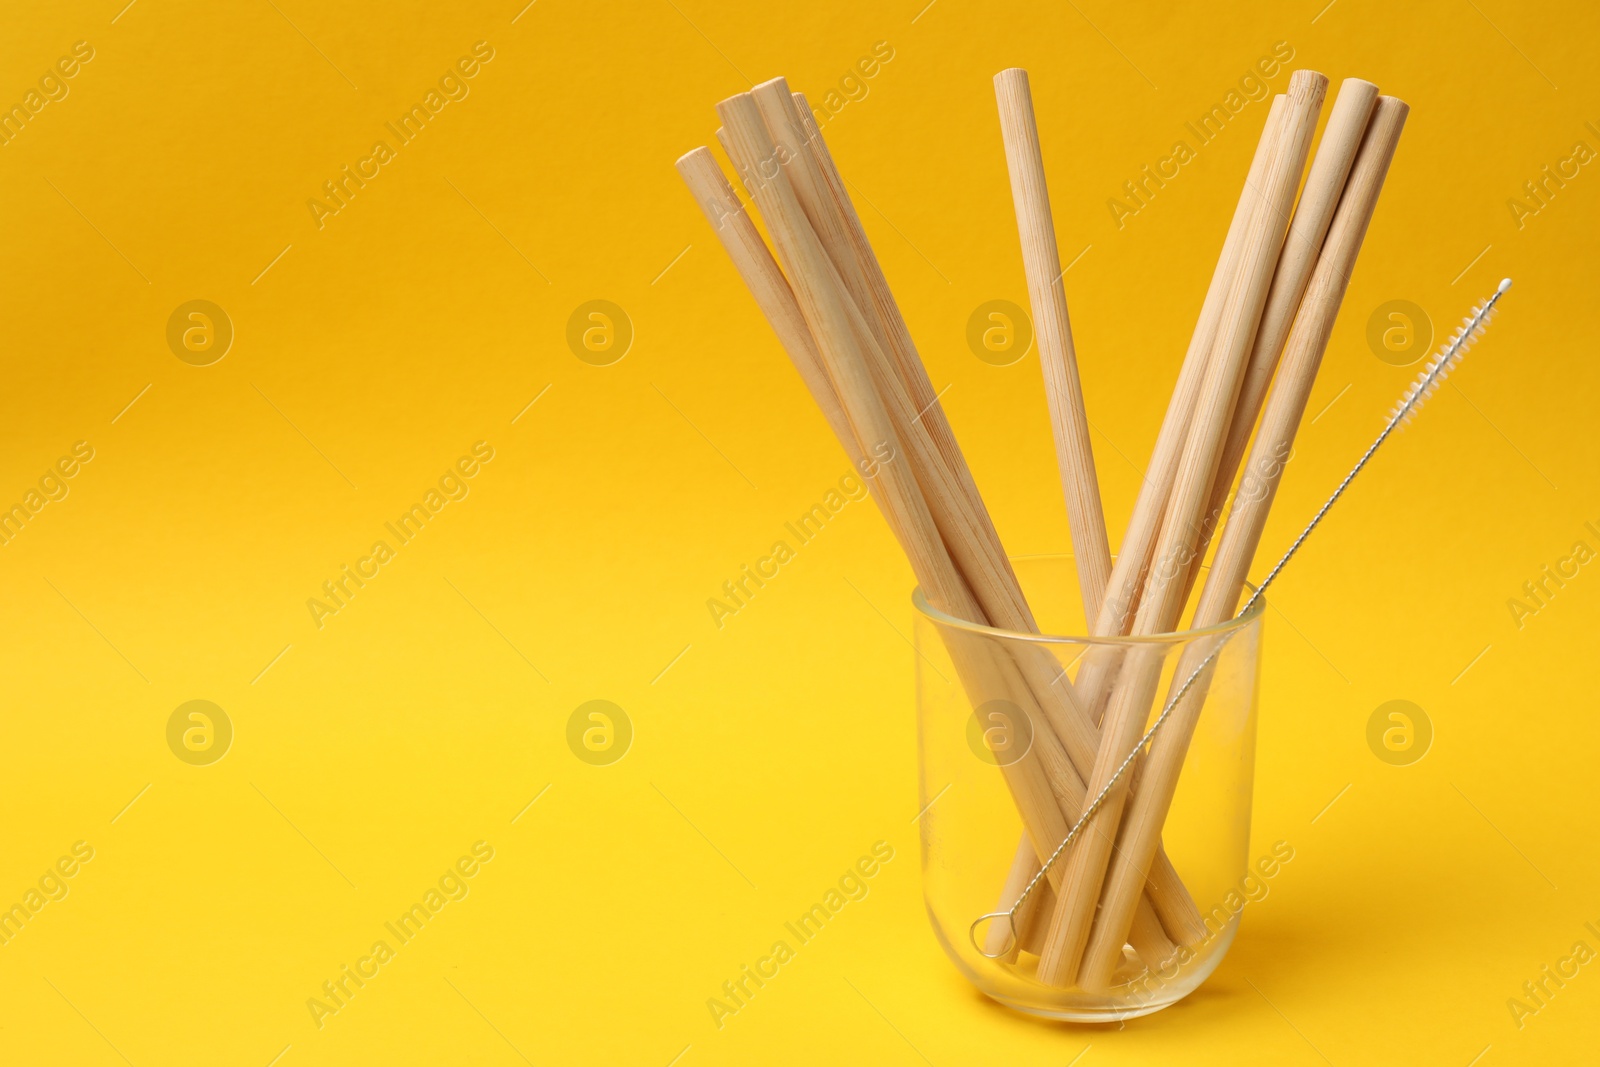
(984, 736)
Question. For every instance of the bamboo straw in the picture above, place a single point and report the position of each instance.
(1285, 407)
(738, 234)
(1063, 394)
(1125, 716)
(1325, 181)
(1122, 595)
(1052, 330)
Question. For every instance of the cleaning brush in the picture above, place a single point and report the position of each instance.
(1427, 382)
(1441, 365)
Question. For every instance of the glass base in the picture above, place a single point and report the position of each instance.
(1121, 1003)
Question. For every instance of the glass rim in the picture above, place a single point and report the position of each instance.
(919, 601)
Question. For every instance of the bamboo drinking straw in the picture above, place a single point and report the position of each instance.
(1058, 360)
(1069, 423)
(1325, 181)
(738, 234)
(1285, 407)
(1157, 612)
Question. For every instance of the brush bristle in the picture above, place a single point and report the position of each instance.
(1427, 382)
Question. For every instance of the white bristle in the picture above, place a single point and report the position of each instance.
(1440, 366)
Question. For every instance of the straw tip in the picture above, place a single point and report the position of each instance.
(1393, 107)
(734, 103)
(1505, 283)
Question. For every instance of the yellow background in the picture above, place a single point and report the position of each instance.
(768, 755)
